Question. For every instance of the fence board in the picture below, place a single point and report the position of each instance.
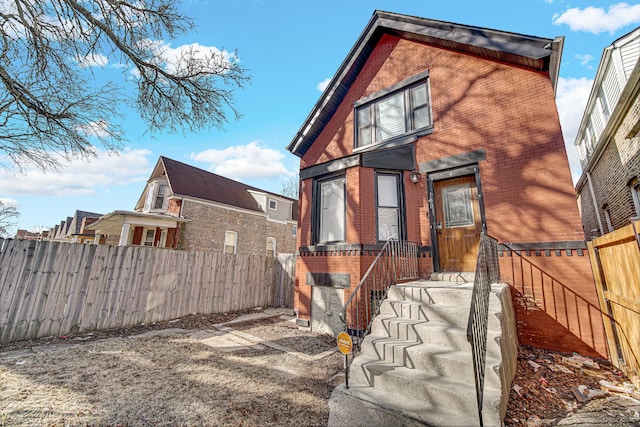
(616, 265)
(51, 288)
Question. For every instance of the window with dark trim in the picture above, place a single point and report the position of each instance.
(392, 115)
(389, 206)
(635, 195)
(329, 210)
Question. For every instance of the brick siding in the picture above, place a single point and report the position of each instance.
(617, 167)
(207, 225)
(528, 195)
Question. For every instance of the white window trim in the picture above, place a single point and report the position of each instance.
(235, 243)
(275, 242)
(275, 204)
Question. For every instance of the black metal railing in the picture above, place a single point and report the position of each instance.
(397, 260)
(487, 273)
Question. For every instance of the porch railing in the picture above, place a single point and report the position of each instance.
(397, 260)
(487, 273)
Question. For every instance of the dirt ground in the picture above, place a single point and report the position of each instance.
(136, 377)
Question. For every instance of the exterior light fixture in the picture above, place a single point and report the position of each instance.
(414, 176)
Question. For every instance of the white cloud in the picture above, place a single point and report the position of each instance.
(176, 60)
(596, 20)
(81, 176)
(8, 202)
(323, 85)
(249, 161)
(584, 59)
(93, 60)
(98, 128)
(571, 99)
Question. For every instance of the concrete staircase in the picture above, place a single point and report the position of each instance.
(417, 362)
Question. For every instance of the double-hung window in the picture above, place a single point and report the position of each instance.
(392, 115)
(329, 222)
(389, 206)
(159, 203)
(230, 242)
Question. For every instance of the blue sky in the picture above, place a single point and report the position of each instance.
(292, 49)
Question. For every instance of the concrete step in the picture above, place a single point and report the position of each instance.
(432, 292)
(425, 412)
(440, 391)
(417, 359)
(429, 358)
(435, 313)
(453, 276)
(396, 327)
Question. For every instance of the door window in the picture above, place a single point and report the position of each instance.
(458, 210)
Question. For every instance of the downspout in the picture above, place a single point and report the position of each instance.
(595, 203)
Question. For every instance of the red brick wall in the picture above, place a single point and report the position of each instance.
(528, 194)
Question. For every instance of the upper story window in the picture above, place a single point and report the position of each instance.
(394, 113)
(329, 210)
(156, 198)
(160, 196)
(604, 104)
(273, 205)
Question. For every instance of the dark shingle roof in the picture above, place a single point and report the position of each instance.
(78, 217)
(186, 180)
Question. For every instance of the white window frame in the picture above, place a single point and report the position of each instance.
(323, 213)
(273, 207)
(160, 187)
(145, 237)
(382, 207)
(230, 240)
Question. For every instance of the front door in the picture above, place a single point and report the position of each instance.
(458, 223)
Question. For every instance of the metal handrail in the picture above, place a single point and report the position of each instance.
(487, 273)
(397, 260)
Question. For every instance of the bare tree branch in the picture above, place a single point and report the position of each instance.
(50, 99)
(8, 217)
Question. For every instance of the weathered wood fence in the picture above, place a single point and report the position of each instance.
(50, 288)
(615, 259)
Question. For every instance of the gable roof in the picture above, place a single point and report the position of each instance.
(532, 52)
(76, 222)
(190, 181)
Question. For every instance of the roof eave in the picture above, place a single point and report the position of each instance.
(545, 52)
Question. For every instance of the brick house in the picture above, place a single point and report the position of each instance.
(431, 132)
(184, 207)
(608, 142)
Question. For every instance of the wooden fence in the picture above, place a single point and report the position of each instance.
(50, 288)
(615, 259)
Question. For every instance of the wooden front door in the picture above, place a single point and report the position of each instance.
(458, 223)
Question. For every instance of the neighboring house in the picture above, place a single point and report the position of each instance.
(432, 132)
(184, 207)
(28, 235)
(608, 142)
(72, 230)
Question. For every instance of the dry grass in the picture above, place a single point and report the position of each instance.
(170, 380)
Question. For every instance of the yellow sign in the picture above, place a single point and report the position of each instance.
(345, 345)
